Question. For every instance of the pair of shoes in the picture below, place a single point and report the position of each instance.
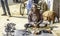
(4, 14)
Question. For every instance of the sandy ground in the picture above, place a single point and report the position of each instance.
(19, 20)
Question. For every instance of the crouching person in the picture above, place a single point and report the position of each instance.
(33, 17)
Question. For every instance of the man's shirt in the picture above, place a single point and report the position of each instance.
(29, 4)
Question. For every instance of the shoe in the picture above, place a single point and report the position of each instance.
(44, 31)
(10, 16)
(4, 15)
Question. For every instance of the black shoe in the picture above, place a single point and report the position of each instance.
(44, 31)
(4, 15)
(10, 16)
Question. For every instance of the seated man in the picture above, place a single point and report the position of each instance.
(34, 16)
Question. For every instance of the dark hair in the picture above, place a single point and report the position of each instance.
(34, 5)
